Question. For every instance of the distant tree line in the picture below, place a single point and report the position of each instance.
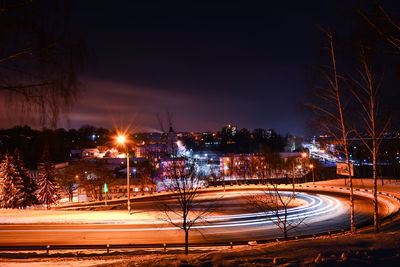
(31, 143)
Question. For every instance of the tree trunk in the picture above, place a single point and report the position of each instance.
(376, 215)
(186, 242)
(344, 133)
(285, 235)
(100, 193)
(352, 220)
(185, 228)
(293, 181)
(285, 232)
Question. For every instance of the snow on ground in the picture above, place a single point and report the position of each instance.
(57, 262)
(25, 216)
(8, 216)
(389, 186)
(363, 249)
(22, 216)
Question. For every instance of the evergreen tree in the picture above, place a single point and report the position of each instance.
(11, 184)
(48, 188)
(30, 186)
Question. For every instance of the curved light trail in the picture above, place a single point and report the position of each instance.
(318, 213)
(318, 207)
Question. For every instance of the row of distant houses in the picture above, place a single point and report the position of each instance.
(207, 163)
(226, 165)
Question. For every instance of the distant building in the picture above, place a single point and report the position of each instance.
(90, 153)
(252, 165)
(116, 163)
(293, 143)
(137, 186)
(172, 167)
(75, 154)
(151, 151)
(229, 130)
(171, 142)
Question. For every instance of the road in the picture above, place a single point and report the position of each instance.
(232, 222)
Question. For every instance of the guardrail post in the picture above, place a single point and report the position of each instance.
(165, 247)
(231, 244)
(48, 249)
(108, 248)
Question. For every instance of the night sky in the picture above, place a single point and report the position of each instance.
(208, 65)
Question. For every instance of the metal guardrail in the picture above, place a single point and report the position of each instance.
(164, 246)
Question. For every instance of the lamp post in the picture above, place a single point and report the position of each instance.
(312, 170)
(121, 140)
(304, 155)
(76, 179)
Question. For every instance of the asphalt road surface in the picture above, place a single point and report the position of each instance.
(232, 221)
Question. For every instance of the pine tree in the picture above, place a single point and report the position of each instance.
(30, 186)
(48, 188)
(11, 184)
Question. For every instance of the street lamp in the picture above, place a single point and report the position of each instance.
(121, 140)
(312, 170)
(76, 179)
(304, 155)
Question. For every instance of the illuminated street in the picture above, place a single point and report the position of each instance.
(322, 213)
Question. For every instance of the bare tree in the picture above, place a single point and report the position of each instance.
(290, 167)
(366, 86)
(39, 59)
(383, 24)
(328, 105)
(184, 209)
(92, 176)
(66, 179)
(146, 172)
(275, 204)
(243, 168)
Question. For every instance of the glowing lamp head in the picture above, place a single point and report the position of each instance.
(311, 166)
(304, 155)
(121, 139)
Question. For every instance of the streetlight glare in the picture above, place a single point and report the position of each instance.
(121, 139)
(311, 166)
(304, 154)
